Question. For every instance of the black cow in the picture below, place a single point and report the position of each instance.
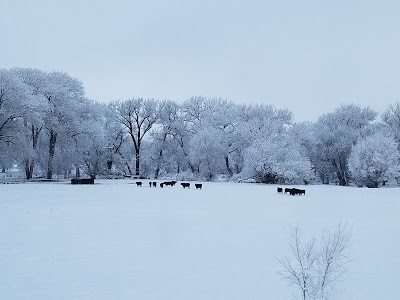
(279, 190)
(198, 185)
(170, 183)
(295, 191)
(161, 184)
(138, 183)
(287, 190)
(154, 184)
(185, 185)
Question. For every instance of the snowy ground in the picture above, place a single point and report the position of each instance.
(113, 240)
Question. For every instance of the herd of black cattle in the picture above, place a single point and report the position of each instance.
(292, 191)
(171, 183)
(139, 183)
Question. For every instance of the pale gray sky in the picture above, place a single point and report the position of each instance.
(307, 56)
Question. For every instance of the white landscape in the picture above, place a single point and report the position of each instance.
(114, 240)
(242, 96)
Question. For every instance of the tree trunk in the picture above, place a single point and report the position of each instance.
(28, 169)
(160, 155)
(192, 168)
(228, 168)
(340, 171)
(52, 148)
(126, 163)
(342, 178)
(109, 165)
(137, 164)
(128, 167)
(157, 172)
(77, 172)
(30, 162)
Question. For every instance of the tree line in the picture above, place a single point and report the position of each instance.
(48, 127)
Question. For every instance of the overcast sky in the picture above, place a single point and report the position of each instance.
(307, 56)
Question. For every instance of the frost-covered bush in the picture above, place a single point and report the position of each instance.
(240, 178)
(222, 178)
(186, 176)
(277, 161)
(374, 160)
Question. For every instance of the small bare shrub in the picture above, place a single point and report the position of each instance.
(315, 267)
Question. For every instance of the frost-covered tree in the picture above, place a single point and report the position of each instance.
(391, 119)
(64, 95)
(195, 115)
(277, 160)
(374, 160)
(303, 134)
(137, 117)
(335, 134)
(223, 118)
(258, 125)
(85, 145)
(14, 95)
(194, 111)
(263, 122)
(55, 100)
(182, 134)
(17, 104)
(207, 153)
(34, 120)
(164, 144)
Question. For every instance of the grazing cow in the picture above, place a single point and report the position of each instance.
(161, 184)
(198, 185)
(154, 184)
(185, 185)
(279, 190)
(297, 192)
(287, 190)
(171, 183)
(138, 183)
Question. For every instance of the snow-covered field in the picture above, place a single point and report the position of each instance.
(113, 240)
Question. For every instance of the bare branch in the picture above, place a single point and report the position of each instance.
(316, 270)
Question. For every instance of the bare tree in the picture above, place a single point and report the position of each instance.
(137, 117)
(316, 269)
